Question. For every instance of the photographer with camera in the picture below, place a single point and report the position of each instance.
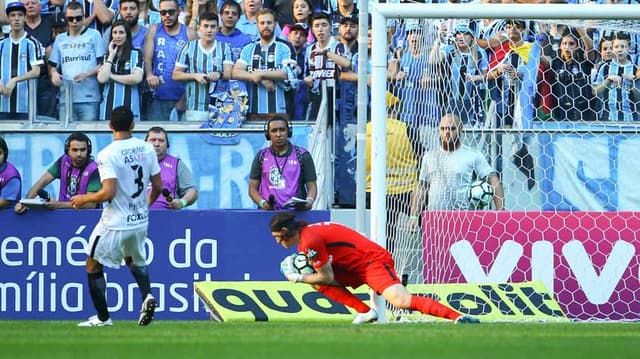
(77, 172)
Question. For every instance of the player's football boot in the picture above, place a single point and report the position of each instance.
(466, 319)
(148, 308)
(94, 321)
(368, 317)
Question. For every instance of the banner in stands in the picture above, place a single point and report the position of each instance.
(221, 172)
(590, 261)
(42, 261)
(600, 179)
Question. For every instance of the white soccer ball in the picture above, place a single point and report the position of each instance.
(302, 265)
(480, 194)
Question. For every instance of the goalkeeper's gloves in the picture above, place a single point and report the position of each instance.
(287, 268)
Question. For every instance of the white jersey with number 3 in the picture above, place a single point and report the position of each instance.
(131, 162)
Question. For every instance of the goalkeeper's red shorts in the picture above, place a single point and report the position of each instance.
(378, 274)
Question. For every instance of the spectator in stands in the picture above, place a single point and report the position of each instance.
(10, 180)
(130, 13)
(40, 27)
(195, 8)
(179, 188)
(572, 92)
(302, 11)
(297, 95)
(615, 84)
(76, 170)
(98, 14)
(604, 56)
(345, 8)
(517, 74)
(162, 45)
(121, 73)
(201, 64)
(248, 22)
(347, 90)
(282, 171)
(75, 58)
(229, 33)
(447, 173)
(262, 66)
(321, 65)
(22, 57)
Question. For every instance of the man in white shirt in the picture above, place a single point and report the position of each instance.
(126, 166)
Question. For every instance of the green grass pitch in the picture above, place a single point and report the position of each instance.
(205, 339)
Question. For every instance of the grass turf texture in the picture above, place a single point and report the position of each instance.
(204, 339)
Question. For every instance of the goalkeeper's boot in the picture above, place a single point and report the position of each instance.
(94, 321)
(368, 317)
(466, 319)
(148, 308)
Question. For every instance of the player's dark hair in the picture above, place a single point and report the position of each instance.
(128, 1)
(4, 148)
(121, 119)
(286, 220)
(157, 129)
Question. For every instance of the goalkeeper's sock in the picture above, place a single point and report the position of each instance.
(342, 295)
(141, 276)
(98, 289)
(432, 307)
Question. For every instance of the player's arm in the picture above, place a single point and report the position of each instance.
(106, 193)
(156, 188)
(498, 191)
(323, 275)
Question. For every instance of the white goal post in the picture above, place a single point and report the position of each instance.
(381, 13)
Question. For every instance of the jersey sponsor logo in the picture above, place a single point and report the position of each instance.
(67, 59)
(136, 217)
(311, 253)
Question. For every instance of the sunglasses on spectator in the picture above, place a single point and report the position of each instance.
(171, 12)
(74, 18)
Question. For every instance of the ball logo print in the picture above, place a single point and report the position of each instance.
(480, 194)
(302, 265)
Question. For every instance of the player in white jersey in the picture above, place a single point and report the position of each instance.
(126, 166)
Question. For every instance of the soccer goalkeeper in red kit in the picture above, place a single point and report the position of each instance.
(344, 258)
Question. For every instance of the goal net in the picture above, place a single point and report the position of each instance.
(545, 104)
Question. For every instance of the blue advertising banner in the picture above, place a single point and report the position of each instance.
(42, 261)
(220, 171)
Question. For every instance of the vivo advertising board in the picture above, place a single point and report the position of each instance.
(590, 261)
(42, 261)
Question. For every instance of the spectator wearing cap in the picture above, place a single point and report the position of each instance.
(41, 27)
(468, 65)
(22, 57)
(302, 10)
(346, 8)
(297, 36)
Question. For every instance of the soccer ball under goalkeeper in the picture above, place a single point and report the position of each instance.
(480, 194)
(301, 264)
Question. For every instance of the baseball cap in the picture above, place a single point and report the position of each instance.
(300, 26)
(353, 18)
(15, 6)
